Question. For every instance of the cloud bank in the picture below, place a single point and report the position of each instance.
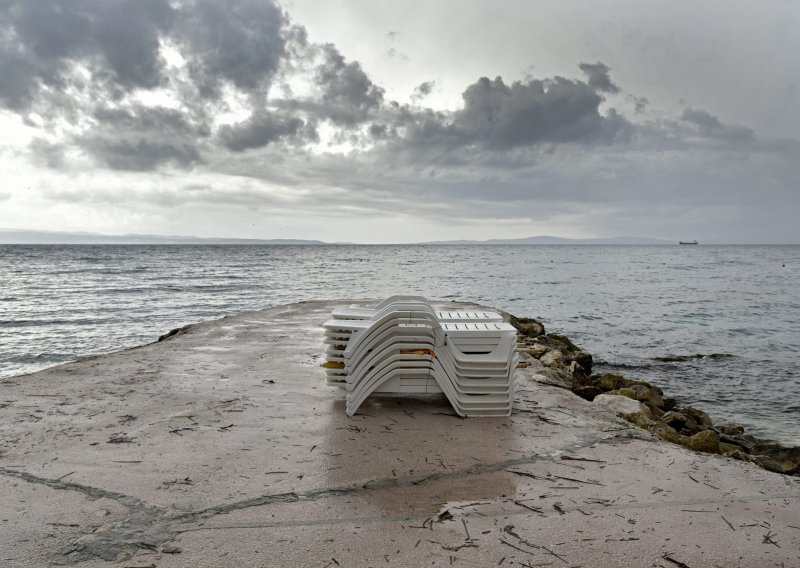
(237, 94)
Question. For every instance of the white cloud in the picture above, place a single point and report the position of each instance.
(234, 121)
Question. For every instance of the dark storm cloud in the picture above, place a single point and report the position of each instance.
(240, 42)
(499, 116)
(348, 94)
(557, 110)
(150, 120)
(140, 154)
(260, 130)
(40, 40)
(710, 126)
(143, 138)
(599, 78)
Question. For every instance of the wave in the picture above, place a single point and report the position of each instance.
(686, 358)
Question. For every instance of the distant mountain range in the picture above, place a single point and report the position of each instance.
(11, 236)
(546, 240)
(14, 236)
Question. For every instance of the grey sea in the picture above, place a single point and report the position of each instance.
(715, 326)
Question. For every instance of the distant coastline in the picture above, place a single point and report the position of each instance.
(40, 237)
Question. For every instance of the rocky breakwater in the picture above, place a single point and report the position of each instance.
(558, 361)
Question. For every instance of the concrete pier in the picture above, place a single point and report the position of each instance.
(222, 446)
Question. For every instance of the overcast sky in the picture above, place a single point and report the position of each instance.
(365, 121)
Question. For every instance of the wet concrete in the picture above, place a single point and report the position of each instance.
(222, 446)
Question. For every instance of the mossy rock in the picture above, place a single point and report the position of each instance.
(788, 459)
(609, 382)
(699, 416)
(625, 391)
(528, 326)
(655, 410)
(641, 419)
(669, 403)
(729, 449)
(771, 464)
(732, 429)
(665, 432)
(705, 441)
(564, 341)
(647, 395)
(674, 419)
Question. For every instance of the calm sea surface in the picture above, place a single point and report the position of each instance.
(631, 307)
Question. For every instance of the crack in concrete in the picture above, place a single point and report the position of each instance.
(611, 507)
(150, 527)
(144, 527)
(124, 500)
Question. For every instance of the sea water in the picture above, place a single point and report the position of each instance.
(714, 326)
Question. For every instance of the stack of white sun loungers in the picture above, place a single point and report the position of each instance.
(404, 345)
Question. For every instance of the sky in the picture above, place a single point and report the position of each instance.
(364, 121)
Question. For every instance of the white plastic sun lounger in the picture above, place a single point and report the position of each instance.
(494, 404)
(460, 315)
(403, 345)
(393, 358)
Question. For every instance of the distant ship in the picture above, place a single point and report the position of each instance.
(687, 242)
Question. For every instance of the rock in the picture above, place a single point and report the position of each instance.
(669, 403)
(621, 405)
(732, 429)
(674, 419)
(665, 432)
(564, 343)
(587, 392)
(608, 382)
(584, 360)
(787, 459)
(534, 363)
(554, 377)
(641, 420)
(699, 416)
(655, 410)
(729, 449)
(768, 463)
(579, 375)
(705, 441)
(527, 326)
(738, 455)
(696, 420)
(647, 394)
(625, 391)
(552, 358)
(535, 351)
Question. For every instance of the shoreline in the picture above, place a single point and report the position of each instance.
(221, 445)
(559, 362)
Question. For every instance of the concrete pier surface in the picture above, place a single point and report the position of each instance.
(222, 446)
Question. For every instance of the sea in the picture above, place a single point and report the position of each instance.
(717, 327)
